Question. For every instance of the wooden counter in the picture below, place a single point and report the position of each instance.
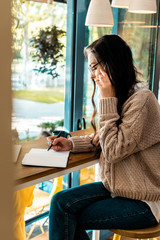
(25, 176)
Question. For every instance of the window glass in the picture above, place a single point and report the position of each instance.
(38, 92)
(140, 31)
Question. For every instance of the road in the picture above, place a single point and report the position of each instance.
(28, 114)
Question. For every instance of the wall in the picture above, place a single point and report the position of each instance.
(5, 124)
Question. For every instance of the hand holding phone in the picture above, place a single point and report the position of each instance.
(105, 86)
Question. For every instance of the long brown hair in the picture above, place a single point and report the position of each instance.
(95, 139)
(117, 59)
(93, 122)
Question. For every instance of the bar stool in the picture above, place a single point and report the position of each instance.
(152, 232)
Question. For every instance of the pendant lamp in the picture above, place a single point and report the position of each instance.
(99, 14)
(142, 6)
(120, 3)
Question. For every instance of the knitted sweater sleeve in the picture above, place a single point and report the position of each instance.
(118, 142)
(82, 143)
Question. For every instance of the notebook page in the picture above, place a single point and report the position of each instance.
(44, 158)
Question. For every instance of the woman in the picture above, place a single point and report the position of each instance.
(128, 140)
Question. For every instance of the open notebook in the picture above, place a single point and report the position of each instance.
(44, 158)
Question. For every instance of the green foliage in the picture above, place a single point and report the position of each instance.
(48, 125)
(47, 49)
(51, 126)
(17, 14)
(46, 96)
(60, 123)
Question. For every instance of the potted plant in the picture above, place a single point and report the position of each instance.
(47, 50)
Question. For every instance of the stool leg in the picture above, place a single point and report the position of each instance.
(116, 237)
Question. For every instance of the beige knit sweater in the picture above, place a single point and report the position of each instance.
(130, 157)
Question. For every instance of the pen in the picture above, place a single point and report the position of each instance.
(59, 134)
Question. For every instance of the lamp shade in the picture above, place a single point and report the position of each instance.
(120, 3)
(99, 14)
(142, 6)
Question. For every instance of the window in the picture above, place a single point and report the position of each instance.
(140, 31)
(38, 95)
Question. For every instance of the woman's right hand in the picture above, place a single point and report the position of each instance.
(60, 144)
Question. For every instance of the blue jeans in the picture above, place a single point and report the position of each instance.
(89, 207)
